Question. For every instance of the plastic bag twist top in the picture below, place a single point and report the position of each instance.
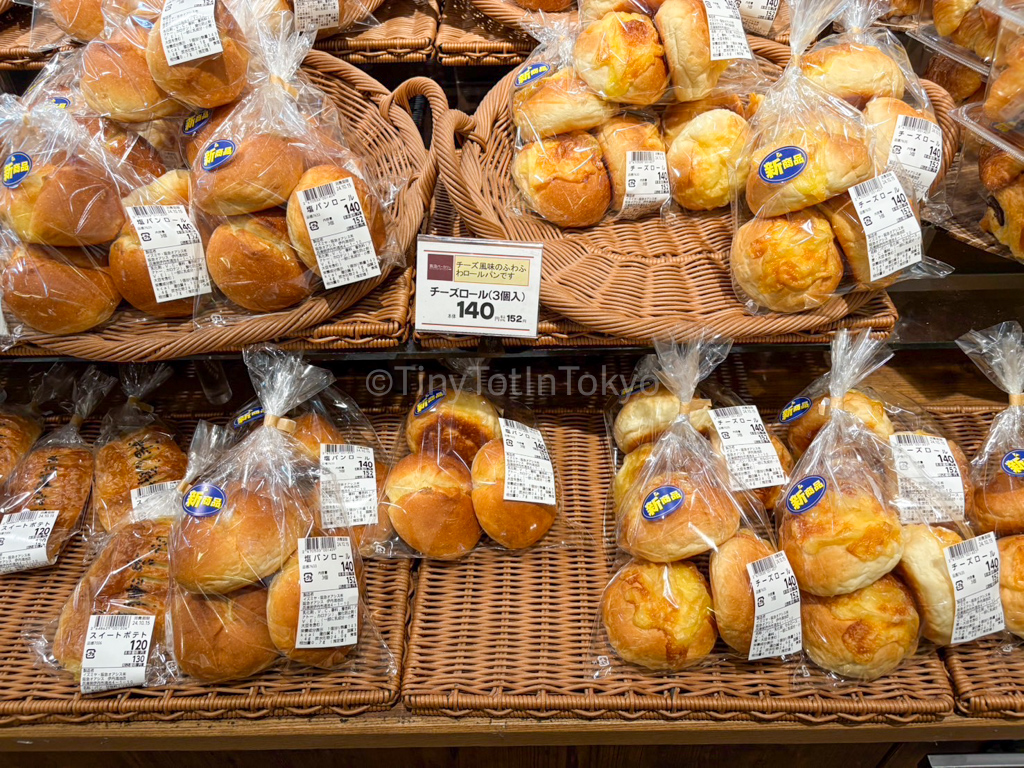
(855, 356)
(809, 18)
(139, 380)
(999, 353)
(282, 380)
(683, 366)
(41, 130)
(52, 384)
(89, 392)
(858, 15)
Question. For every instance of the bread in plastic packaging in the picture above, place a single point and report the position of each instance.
(621, 57)
(21, 423)
(1011, 582)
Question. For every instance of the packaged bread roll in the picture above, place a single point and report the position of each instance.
(449, 420)
(621, 58)
(731, 591)
(708, 160)
(1011, 582)
(81, 20)
(923, 569)
(21, 423)
(619, 137)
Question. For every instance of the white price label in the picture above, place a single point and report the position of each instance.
(529, 474)
(728, 40)
(348, 485)
(647, 187)
(4, 331)
(892, 231)
(23, 538)
(173, 251)
(188, 30)
(747, 448)
(337, 228)
(329, 606)
(758, 15)
(116, 652)
(930, 456)
(480, 287)
(973, 566)
(917, 146)
(317, 14)
(777, 630)
(141, 494)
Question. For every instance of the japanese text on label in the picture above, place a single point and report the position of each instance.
(893, 233)
(188, 30)
(777, 630)
(329, 606)
(116, 652)
(337, 228)
(917, 145)
(140, 494)
(348, 485)
(973, 567)
(23, 538)
(747, 448)
(939, 495)
(173, 251)
(758, 15)
(529, 474)
(728, 40)
(317, 14)
(647, 187)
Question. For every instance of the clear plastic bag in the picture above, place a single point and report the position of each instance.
(21, 424)
(1004, 104)
(966, 29)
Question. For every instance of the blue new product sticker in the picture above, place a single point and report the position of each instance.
(531, 72)
(194, 122)
(1013, 463)
(16, 167)
(428, 401)
(782, 165)
(60, 102)
(218, 153)
(253, 414)
(794, 409)
(204, 500)
(806, 494)
(662, 502)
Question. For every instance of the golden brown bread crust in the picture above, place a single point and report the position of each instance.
(676, 116)
(559, 103)
(849, 231)
(1011, 582)
(1004, 101)
(659, 616)
(949, 14)
(171, 188)
(548, 6)
(708, 161)
(126, 146)
(683, 26)
(591, 10)
(855, 72)
(1004, 217)
(129, 272)
(863, 635)
(731, 593)
(460, 422)
(431, 506)
(998, 503)
(978, 32)
(621, 57)
(881, 116)
(923, 570)
(221, 638)
(902, 8)
(563, 179)
(262, 174)
(960, 81)
(869, 411)
(997, 167)
(81, 19)
(18, 433)
(512, 524)
(628, 474)
(645, 417)
(620, 136)
(129, 576)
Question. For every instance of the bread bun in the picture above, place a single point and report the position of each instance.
(949, 14)
(628, 474)
(326, 174)
(659, 616)
(262, 172)
(881, 116)
(430, 505)
(1011, 582)
(559, 103)
(978, 32)
(677, 116)
(960, 81)
(18, 433)
(770, 495)
(621, 57)
(81, 19)
(1004, 218)
(855, 72)
(563, 179)
(251, 260)
(592, 10)
(207, 82)
(247, 541)
(923, 570)
(998, 502)
(849, 231)
(683, 26)
(899, 8)
(512, 524)
(869, 411)
(620, 136)
(731, 592)
(1004, 102)
(847, 540)
(221, 638)
(863, 635)
(998, 168)
(129, 576)
(708, 161)
(57, 291)
(171, 188)
(645, 416)
(458, 422)
(126, 146)
(787, 263)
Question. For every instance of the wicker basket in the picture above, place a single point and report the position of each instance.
(405, 35)
(468, 38)
(393, 147)
(15, 53)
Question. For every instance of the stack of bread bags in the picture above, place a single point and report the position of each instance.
(587, 99)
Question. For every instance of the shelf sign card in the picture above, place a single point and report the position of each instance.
(477, 287)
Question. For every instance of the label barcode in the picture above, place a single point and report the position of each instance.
(870, 186)
(918, 123)
(646, 157)
(333, 448)
(144, 492)
(906, 438)
(122, 621)
(321, 543)
(150, 210)
(23, 517)
(964, 548)
(766, 564)
(319, 193)
(736, 410)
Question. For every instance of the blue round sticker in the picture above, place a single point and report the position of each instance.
(794, 410)
(17, 166)
(806, 494)
(204, 500)
(218, 153)
(531, 72)
(253, 414)
(1013, 463)
(194, 122)
(60, 102)
(782, 165)
(428, 401)
(662, 502)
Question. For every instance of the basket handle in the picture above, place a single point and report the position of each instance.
(943, 106)
(776, 53)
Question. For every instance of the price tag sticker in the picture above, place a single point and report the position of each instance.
(337, 228)
(728, 39)
(973, 566)
(317, 14)
(529, 474)
(477, 287)
(173, 251)
(747, 448)
(348, 485)
(758, 15)
(925, 467)
(139, 495)
(329, 603)
(23, 538)
(777, 629)
(893, 233)
(647, 187)
(188, 30)
(917, 146)
(116, 652)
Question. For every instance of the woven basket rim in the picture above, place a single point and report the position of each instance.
(512, 15)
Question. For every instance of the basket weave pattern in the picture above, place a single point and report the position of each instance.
(405, 35)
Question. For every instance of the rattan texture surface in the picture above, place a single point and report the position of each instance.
(467, 37)
(406, 33)
(15, 53)
(511, 14)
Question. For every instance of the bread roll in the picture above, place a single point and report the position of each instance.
(558, 103)
(960, 81)
(847, 540)
(869, 411)
(881, 116)
(430, 505)
(171, 188)
(659, 616)
(57, 291)
(248, 540)
(221, 638)
(1004, 218)
(563, 179)
(620, 136)
(1011, 582)
(368, 201)
(855, 72)
(683, 26)
(129, 272)
(853, 240)
(708, 161)
(998, 168)
(512, 524)
(899, 8)
(126, 146)
(209, 81)
(628, 474)
(128, 577)
(646, 416)
(1005, 102)
(676, 116)
(787, 263)
(251, 260)
(18, 433)
(621, 57)
(592, 10)
(923, 569)
(458, 422)
(863, 635)
(949, 14)
(998, 502)
(768, 496)
(731, 592)
(978, 32)
(81, 19)
(261, 173)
